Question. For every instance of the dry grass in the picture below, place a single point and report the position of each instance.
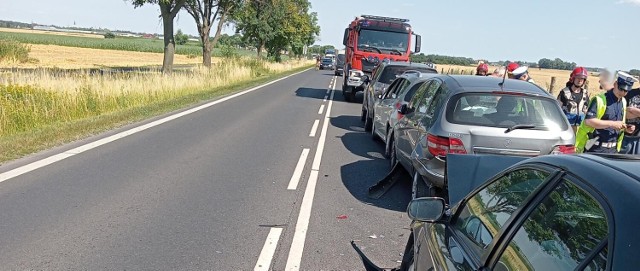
(33, 31)
(50, 56)
(32, 99)
(541, 76)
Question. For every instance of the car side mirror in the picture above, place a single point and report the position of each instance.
(404, 109)
(426, 209)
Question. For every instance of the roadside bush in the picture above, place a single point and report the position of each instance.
(109, 35)
(14, 51)
(228, 51)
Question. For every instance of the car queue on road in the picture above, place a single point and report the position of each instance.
(486, 177)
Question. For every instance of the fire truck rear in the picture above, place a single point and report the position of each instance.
(370, 40)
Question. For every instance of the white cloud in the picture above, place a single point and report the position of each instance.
(634, 2)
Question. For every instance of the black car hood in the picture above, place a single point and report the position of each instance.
(466, 172)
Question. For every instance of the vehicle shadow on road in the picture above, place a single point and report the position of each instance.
(318, 93)
(314, 93)
(358, 176)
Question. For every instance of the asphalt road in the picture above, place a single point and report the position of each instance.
(211, 190)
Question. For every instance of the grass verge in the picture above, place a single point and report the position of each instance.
(28, 141)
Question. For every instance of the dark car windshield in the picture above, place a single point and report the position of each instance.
(341, 58)
(390, 72)
(383, 40)
(327, 60)
(505, 110)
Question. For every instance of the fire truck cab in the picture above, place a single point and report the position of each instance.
(368, 41)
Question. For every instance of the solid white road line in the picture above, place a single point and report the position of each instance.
(302, 224)
(61, 156)
(269, 248)
(314, 128)
(297, 173)
(321, 109)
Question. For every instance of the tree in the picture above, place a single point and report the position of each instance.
(205, 13)
(277, 25)
(168, 11)
(181, 38)
(634, 72)
(109, 35)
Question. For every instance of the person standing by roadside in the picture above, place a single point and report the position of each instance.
(606, 80)
(574, 97)
(604, 125)
(510, 68)
(522, 73)
(631, 141)
(499, 72)
(482, 69)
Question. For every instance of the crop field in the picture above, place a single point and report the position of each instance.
(119, 43)
(63, 57)
(34, 31)
(122, 44)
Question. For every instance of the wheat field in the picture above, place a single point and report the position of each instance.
(54, 56)
(33, 31)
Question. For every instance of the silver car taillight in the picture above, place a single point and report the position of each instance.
(440, 146)
(564, 149)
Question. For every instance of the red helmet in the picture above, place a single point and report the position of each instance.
(483, 67)
(579, 72)
(512, 66)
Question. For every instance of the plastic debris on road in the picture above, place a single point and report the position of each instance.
(342, 217)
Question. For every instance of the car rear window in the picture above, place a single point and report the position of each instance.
(341, 57)
(390, 72)
(505, 110)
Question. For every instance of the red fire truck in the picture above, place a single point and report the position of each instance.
(370, 40)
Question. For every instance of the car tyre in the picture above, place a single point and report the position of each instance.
(368, 122)
(419, 189)
(346, 93)
(374, 136)
(393, 156)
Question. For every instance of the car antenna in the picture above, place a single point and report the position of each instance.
(504, 77)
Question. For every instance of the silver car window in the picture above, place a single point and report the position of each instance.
(505, 110)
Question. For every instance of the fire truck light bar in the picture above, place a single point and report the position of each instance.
(384, 18)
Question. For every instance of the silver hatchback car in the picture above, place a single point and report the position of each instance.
(479, 115)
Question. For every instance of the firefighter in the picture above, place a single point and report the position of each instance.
(482, 69)
(604, 125)
(510, 68)
(574, 97)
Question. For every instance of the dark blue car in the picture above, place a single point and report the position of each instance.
(553, 212)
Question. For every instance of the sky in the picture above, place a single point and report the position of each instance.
(593, 33)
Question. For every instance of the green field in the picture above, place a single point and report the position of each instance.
(119, 43)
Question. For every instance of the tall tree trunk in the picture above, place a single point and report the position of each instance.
(206, 47)
(260, 48)
(169, 42)
(221, 22)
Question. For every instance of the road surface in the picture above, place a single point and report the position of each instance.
(272, 179)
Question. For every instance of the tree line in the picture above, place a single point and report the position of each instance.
(272, 25)
(543, 63)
